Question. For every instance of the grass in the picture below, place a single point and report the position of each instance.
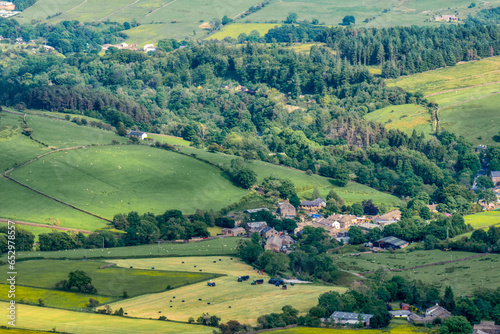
(305, 184)
(221, 246)
(21, 331)
(397, 326)
(236, 29)
(164, 139)
(61, 133)
(52, 298)
(247, 301)
(463, 276)
(47, 319)
(483, 219)
(110, 180)
(110, 282)
(406, 117)
(215, 230)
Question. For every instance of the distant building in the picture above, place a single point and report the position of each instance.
(400, 313)
(268, 231)
(255, 210)
(274, 243)
(388, 218)
(149, 47)
(317, 204)
(446, 18)
(255, 227)
(369, 226)
(351, 318)
(286, 210)
(486, 327)
(234, 232)
(139, 134)
(390, 242)
(287, 240)
(495, 177)
(5, 5)
(342, 221)
(430, 315)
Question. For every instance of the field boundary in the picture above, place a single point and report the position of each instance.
(463, 88)
(62, 228)
(165, 5)
(119, 10)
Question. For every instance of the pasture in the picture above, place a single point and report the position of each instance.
(305, 184)
(220, 246)
(483, 219)
(463, 276)
(171, 140)
(41, 318)
(229, 299)
(406, 117)
(61, 133)
(110, 282)
(114, 179)
(236, 29)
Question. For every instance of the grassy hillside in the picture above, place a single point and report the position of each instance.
(236, 29)
(229, 299)
(353, 192)
(42, 318)
(114, 179)
(164, 139)
(406, 118)
(222, 246)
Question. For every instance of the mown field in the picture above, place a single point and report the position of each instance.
(483, 219)
(397, 326)
(236, 29)
(114, 179)
(406, 117)
(463, 93)
(109, 282)
(463, 276)
(164, 139)
(229, 299)
(353, 192)
(42, 318)
(220, 246)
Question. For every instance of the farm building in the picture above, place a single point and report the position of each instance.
(388, 218)
(286, 210)
(234, 232)
(446, 18)
(255, 210)
(317, 204)
(351, 318)
(390, 242)
(400, 313)
(487, 327)
(268, 231)
(149, 47)
(341, 221)
(139, 134)
(255, 227)
(274, 243)
(430, 315)
(287, 240)
(368, 226)
(5, 5)
(495, 177)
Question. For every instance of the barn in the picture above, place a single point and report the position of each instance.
(390, 242)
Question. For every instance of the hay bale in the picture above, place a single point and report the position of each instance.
(199, 299)
(131, 267)
(208, 303)
(229, 306)
(152, 267)
(183, 300)
(182, 261)
(200, 270)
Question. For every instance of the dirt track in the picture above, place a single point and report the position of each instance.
(52, 227)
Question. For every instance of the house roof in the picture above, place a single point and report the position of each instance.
(350, 316)
(257, 225)
(438, 311)
(400, 313)
(266, 229)
(393, 241)
(390, 216)
(316, 202)
(495, 173)
(136, 133)
(255, 210)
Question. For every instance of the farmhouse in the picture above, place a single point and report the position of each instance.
(286, 210)
(255, 227)
(400, 313)
(5, 5)
(149, 47)
(486, 327)
(138, 134)
(287, 240)
(351, 318)
(495, 177)
(446, 18)
(268, 231)
(390, 242)
(368, 226)
(233, 232)
(317, 204)
(274, 243)
(342, 221)
(430, 315)
(388, 218)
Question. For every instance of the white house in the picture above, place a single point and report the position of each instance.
(139, 134)
(149, 47)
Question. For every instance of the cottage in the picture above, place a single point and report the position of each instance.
(274, 243)
(234, 232)
(268, 231)
(390, 242)
(255, 227)
(486, 327)
(149, 47)
(388, 218)
(437, 312)
(286, 210)
(317, 204)
(342, 221)
(139, 134)
(495, 177)
(351, 318)
(400, 313)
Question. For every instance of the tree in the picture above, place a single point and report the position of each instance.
(488, 196)
(226, 20)
(294, 200)
(121, 130)
(348, 19)
(357, 209)
(79, 279)
(291, 18)
(245, 178)
(369, 208)
(448, 301)
(484, 182)
(356, 235)
(456, 325)
(315, 194)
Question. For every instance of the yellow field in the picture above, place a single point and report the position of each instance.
(214, 230)
(236, 29)
(229, 299)
(42, 318)
(483, 219)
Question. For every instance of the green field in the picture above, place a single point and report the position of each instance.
(42, 318)
(483, 219)
(247, 301)
(110, 282)
(61, 133)
(406, 118)
(114, 179)
(171, 140)
(305, 184)
(463, 276)
(220, 246)
(235, 29)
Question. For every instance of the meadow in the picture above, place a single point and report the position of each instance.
(229, 299)
(219, 246)
(42, 318)
(305, 184)
(110, 282)
(406, 117)
(463, 276)
(171, 140)
(236, 29)
(483, 219)
(114, 179)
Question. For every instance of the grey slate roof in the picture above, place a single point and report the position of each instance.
(495, 173)
(350, 316)
(265, 229)
(393, 241)
(136, 133)
(316, 202)
(400, 313)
